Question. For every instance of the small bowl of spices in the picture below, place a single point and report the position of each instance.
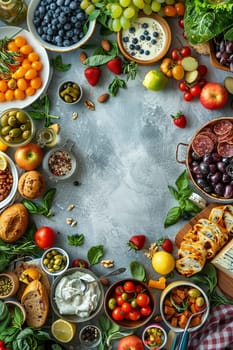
(70, 92)
(60, 163)
(90, 336)
(9, 284)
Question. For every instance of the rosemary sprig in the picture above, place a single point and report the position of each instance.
(7, 58)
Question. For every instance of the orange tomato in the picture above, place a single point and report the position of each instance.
(178, 72)
(170, 11)
(30, 74)
(30, 91)
(2, 97)
(20, 41)
(19, 94)
(3, 85)
(37, 65)
(180, 8)
(19, 73)
(26, 49)
(33, 56)
(9, 95)
(22, 84)
(36, 83)
(12, 84)
(11, 46)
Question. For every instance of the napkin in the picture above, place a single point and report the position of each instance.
(216, 333)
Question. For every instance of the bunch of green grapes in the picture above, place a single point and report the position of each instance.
(122, 12)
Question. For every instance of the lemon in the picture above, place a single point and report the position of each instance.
(63, 330)
(3, 162)
(3, 146)
(163, 262)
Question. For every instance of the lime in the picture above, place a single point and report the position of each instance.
(163, 262)
(155, 80)
(63, 330)
(3, 162)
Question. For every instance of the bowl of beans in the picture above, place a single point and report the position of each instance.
(154, 337)
(8, 180)
(16, 127)
(9, 284)
(60, 163)
(59, 26)
(55, 261)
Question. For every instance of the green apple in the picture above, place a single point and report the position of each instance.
(155, 80)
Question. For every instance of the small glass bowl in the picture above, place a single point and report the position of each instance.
(16, 121)
(60, 163)
(50, 254)
(154, 330)
(90, 336)
(70, 92)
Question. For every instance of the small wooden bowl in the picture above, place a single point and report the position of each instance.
(11, 304)
(10, 278)
(213, 59)
(166, 32)
(126, 323)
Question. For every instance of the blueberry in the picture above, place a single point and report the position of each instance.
(147, 52)
(66, 43)
(67, 2)
(134, 40)
(78, 25)
(137, 47)
(60, 2)
(80, 16)
(141, 51)
(145, 32)
(153, 41)
(81, 35)
(132, 46)
(142, 37)
(132, 29)
(155, 34)
(73, 5)
(125, 39)
(50, 31)
(70, 33)
(133, 53)
(67, 26)
(73, 19)
(53, 6)
(61, 32)
(62, 19)
(44, 37)
(41, 9)
(148, 38)
(145, 25)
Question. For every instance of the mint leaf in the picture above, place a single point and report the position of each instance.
(95, 253)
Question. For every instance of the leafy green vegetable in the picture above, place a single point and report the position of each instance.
(130, 69)
(45, 207)
(76, 240)
(137, 271)
(204, 20)
(115, 85)
(59, 65)
(95, 253)
(181, 193)
(41, 111)
(208, 277)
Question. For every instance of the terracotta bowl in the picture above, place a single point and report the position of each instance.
(12, 305)
(127, 323)
(213, 60)
(9, 284)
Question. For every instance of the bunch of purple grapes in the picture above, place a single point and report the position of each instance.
(224, 51)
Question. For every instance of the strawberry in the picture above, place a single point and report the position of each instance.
(137, 242)
(92, 75)
(179, 120)
(166, 244)
(115, 65)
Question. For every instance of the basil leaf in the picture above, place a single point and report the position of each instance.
(59, 65)
(173, 215)
(76, 240)
(115, 85)
(93, 15)
(186, 193)
(32, 207)
(17, 317)
(191, 207)
(97, 60)
(137, 271)
(182, 182)
(95, 253)
(38, 115)
(48, 197)
(174, 192)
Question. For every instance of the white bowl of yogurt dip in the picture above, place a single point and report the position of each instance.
(147, 40)
(71, 301)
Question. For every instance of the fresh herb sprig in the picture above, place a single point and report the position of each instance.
(41, 111)
(181, 193)
(76, 240)
(58, 64)
(45, 207)
(116, 85)
(7, 58)
(130, 68)
(95, 253)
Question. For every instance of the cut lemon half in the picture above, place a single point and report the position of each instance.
(3, 162)
(63, 330)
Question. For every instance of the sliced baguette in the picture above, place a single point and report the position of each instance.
(36, 302)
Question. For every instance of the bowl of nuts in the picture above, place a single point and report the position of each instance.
(16, 127)
(55, 261)
(9, 181)
(9, 284)
(70, 92)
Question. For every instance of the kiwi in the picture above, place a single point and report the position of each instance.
(189, 63)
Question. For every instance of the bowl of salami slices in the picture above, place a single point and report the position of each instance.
(209, 159)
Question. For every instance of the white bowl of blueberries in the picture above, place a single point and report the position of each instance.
(60, 25)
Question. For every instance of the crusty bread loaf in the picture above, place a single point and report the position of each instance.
(13, 222)
(36, 302)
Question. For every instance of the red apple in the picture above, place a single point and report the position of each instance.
(213, 96)
(29, 156)
(130, 342)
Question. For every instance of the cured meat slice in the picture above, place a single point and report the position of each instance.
(222, 127)
(202, 144)
(225, 137)
(225, 149)
(211, 135)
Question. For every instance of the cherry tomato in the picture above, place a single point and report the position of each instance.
(124, 296)
(181, 22)
(202, 82)
(182, 86)
(119, 300)
(2, 343)
(202, 69)
(195, 90)
(80, 263)
(112, 303)
(180, 8)
(134, 304)
(45, 237)
(129, 287)
(119, 290)
(134, 315)
(185, 51)
(170, 11)
(188, 96)
(138, 288)
(178, 72)
(126, 307)
(118, 314)
(175, 54)
(142, 300)
(199, 308)
(146, 310)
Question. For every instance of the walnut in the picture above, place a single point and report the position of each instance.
(107, 263)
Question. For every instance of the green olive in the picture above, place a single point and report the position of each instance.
(4, 120)
(26, 134)
(12, 121)
(7, 138)
(21, 117)
(68, 98)
(10, 113)
(15, 132)
(6, 130)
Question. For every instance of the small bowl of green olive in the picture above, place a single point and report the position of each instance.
(70, 92)
(16, 127)
(55, 261)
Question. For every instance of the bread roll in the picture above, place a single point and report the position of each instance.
(36, 302)
(31, 184)
(13, 222)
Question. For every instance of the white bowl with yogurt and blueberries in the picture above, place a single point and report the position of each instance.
(147, 40)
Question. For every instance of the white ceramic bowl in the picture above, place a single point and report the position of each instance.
(48, 254)
(149, 330)
(45, 73)
(47, 45)
(10, 198)
(166, 292)
(71, 292)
